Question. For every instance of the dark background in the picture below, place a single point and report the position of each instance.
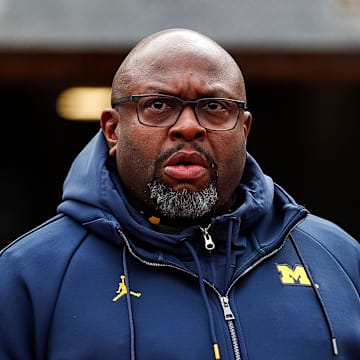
(305, 128)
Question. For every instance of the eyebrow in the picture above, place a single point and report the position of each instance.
(216, 90)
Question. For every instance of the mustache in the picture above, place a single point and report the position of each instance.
(166, 154)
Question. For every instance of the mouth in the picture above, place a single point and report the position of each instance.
(186, 166)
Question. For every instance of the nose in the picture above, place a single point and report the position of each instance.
(187, 126)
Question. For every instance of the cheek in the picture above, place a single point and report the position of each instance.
(136, 152)
(231, 161)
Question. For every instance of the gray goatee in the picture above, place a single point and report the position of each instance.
(182, 204)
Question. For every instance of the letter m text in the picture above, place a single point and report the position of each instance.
(295, 275)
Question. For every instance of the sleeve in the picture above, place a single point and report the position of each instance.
(17, 330)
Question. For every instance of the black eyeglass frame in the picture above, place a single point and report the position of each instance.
(135, 98)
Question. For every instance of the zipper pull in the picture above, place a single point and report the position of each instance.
(228, 314)
(209, 243)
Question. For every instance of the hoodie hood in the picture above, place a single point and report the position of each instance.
(94, 197)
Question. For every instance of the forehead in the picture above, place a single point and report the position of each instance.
(200, 65)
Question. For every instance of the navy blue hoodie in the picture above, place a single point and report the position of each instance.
(102, 281)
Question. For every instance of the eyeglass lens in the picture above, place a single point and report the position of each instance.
(163, 111)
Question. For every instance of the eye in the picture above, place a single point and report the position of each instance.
(152, 103)
(215, 105)
(158, 104)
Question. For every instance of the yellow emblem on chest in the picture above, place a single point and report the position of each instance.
(295, 275)
(122, 290)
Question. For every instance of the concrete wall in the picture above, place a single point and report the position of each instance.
(318, 24)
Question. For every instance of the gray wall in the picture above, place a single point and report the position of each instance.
(317, 24)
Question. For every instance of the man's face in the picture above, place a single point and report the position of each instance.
(185, 158)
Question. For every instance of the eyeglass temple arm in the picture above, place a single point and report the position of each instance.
(122, 100)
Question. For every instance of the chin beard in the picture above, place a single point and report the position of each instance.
(183, 204)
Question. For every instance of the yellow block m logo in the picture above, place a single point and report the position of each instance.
(295, 275)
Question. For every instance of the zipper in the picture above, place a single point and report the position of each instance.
(209, 243)
(229, 317)
(228, 314)
(224, 300)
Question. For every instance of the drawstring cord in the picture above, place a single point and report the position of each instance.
(228, 253)
(229, 265)
(129, 308)
(318, 296)
(206, 301)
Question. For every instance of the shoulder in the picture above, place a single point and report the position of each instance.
(328, 244)
(33, 265)
(328, 234)
(58, 235)
(32, 269)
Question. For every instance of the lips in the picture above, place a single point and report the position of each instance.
(186, 166)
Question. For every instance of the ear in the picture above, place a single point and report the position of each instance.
(247, 123)
(109, 120)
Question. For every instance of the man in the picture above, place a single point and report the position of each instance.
(170, 242)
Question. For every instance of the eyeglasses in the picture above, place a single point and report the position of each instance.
(163, 111)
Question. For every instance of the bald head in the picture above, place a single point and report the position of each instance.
(173, 48)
